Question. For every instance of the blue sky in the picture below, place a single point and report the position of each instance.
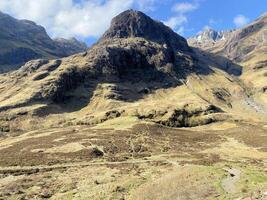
(88, 19)
(218, 14)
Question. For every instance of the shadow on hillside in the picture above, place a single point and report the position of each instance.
(127, 86)
(219, 62)
(126, 77)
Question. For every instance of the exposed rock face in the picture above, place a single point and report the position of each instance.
(208, 34)
(208, 38)
(23, 40)
(183, 117)
(136, 24)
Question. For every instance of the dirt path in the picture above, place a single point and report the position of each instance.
(229, 183)
(255, 106)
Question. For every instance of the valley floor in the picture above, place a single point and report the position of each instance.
(225, 160)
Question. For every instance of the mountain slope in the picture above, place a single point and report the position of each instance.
(208, 38)
(70, 46)
(140, 115)
(246, 47)
(131, 67)
(23, 40)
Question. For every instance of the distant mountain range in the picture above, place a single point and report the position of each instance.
(23, 40)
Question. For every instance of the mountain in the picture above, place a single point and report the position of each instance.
(208, 38)
(139, 115)
(23, 40)
(131, 24)
(136, 58)
(235, 44)
(70, 46)
(245, 47)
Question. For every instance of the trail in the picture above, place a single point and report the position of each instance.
(229, 183)
(255, 106)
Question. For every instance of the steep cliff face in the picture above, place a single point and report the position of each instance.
(23, 40)
(133, 24)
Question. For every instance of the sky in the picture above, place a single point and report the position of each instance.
(88, 19)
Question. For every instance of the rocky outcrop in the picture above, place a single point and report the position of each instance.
(132, 24)
(183, 117)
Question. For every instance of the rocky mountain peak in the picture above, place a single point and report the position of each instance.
(133, 23)
(209, 37)
(211, 34)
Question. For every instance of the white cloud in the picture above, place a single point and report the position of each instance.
(181, 10)
(67, 18)
(207, 27)
(240, 20)
(212, 22)
(184, 7)
(176, 21)
(181, 30)
(145, 5)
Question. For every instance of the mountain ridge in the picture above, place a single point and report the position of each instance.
(245, 47)
(119, 70)
(131, 23)
(24, 40)
(136, 116)
(209, 37)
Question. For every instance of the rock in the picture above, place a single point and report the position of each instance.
(144, 91)
(40, 76)
(130, 24)
(236, 45)
(182, 117)
(97, 152)
(32, 66)
(119, 189)
(221, 94)
(264, 89)
(208, 38)
(46, 193)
